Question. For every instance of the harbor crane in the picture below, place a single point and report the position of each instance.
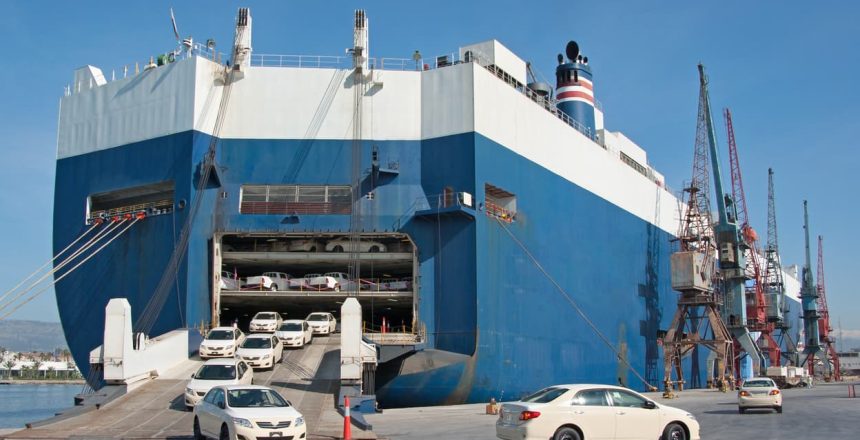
(732, 249)
(774, 287)
(809, 303)
(831, 358)
(755, 296)
(697, 322)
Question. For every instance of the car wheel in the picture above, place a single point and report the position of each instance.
(337, 248)
(274, 288)
(566, 433)
(741, 410)
(225, 433)
(312, 249)
(337, 288)
(674, 431)
(779, 409)
(373, 249)
(198, 435)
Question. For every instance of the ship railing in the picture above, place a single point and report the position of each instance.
(547, 103)
(333, 62)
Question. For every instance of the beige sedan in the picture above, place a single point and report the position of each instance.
(593, 412)
(759, 392)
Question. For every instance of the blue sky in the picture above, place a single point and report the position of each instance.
(785, 68)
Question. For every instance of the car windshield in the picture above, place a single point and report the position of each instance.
(257, 343)
(255, 398)
(265, 316)
(545, 395)
(272, 274)
(757, 384)
(317, 317)
(220, 335)
(335, 275)
(291, 327)
(216, 372)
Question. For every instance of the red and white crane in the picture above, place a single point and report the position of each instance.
(755, 290)
(828, 345)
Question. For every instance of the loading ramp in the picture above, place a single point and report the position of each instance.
(308, 377)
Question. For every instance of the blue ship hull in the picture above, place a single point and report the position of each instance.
(495, 325)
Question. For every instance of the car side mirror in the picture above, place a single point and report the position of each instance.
(649, 405)
(192, 375)
(221, 405)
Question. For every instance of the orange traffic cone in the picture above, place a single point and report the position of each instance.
(347, 423)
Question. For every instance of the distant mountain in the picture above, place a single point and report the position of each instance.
(17, 335)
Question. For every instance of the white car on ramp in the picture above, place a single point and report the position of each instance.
(265, 322)
(215, 372)
(593, 412)
(261, 350)
(230, 281)
(247, 412)
(322, 323)
(221, 342)
(295, 333)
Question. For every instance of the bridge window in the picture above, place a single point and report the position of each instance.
(295, 199)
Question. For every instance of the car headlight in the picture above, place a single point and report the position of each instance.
(228, 347)
(300, 421)
(267, 356)
(189, 391)
(242, 422)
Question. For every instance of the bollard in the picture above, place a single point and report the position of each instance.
(347, 423)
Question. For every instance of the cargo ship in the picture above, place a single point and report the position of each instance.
(498, 235)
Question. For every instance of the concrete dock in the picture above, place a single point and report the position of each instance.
(824, 411)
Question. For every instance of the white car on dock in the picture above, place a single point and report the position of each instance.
(322, 323)
(273, 281)
(221, 342)
(249, 412)
(336, 281)
(759, 393)
(265, 322)
(261, 350)
(576, 412)
(215, 372)
(295, 333)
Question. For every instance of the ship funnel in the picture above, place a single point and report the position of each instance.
(575, 90)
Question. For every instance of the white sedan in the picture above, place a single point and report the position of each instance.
(322, 323)
(249, 412)
(344, 245)
(295, 333)
(215, 372)
(261, 350)
(593, 412)
(221, 342)
(759, 393)
(265, 322)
